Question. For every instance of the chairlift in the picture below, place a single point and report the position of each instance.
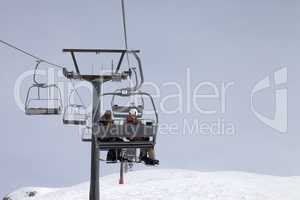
(130, 134)
(36, 104)
(75, 114)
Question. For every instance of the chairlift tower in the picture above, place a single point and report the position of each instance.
(97, 81)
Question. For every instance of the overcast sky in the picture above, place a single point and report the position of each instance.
(233, 43)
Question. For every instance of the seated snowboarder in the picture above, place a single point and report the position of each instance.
(106, 120)
(146, 155)
(131, 118)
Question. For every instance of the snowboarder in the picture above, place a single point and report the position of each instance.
(106, 120)
(146, 155)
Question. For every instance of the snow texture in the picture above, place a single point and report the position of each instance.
(171, 184)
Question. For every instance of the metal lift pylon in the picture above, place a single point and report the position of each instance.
(95, 153)
(97, 81)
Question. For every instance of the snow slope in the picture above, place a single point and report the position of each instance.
(177, 185)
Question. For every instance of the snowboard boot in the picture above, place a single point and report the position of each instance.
(149, 161)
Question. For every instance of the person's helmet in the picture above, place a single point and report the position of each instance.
(133, 112)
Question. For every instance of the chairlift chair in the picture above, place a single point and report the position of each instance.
(130, 133)
(43, 106)
(35, 104)
(75, 114)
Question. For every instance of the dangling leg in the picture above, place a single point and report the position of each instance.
(111, 155)
(143, 154)
(148, 156)
(151, 154)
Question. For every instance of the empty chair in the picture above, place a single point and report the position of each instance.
(39, 100)
(42, 98)
(75, 115)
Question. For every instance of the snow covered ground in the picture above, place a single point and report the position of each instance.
(176, 185)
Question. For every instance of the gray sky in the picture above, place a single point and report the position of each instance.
(221, 42)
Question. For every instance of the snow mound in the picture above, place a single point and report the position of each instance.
(170, 184)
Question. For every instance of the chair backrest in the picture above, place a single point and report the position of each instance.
(37, 105)
(122, 111)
